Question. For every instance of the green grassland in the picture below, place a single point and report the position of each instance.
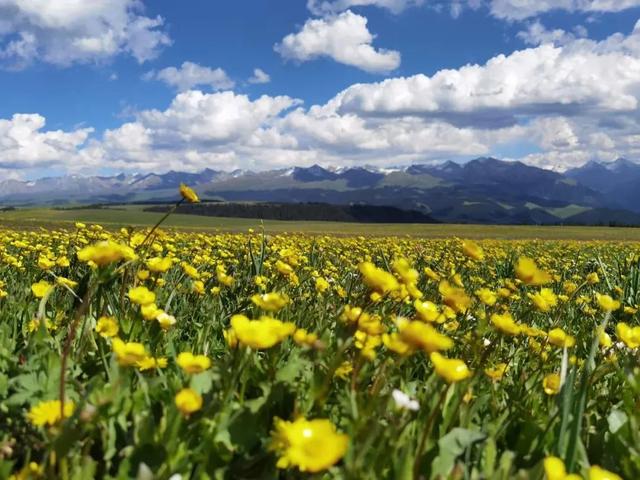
(133, 215)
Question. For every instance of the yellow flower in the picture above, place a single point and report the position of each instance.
(188, 194)
(106, 252)
(141, 295)
(377, 279)
(344, 370)
(49, 412)
(593, 278)
(321, 285)
(262, 333)
(66, 282)
(487, 296)
(45, 264)
(107, 327)
(607, 303)
(452, 370)
(150, 363)
(560, 338)
(428, 311)
(529, 273)
(165, 320)
(551, 384)
(271, 302)
(302, 337)
(150, 311)
(497, 372)
(472, 250)
(505, 323)
(159, 264)
(191, 363)
(309, 445)
(128, 353)
(630, 336)
(188, 401)
(41, 289)
(599, 473)
(455, 298)
(544, 300)
(554, 468)
(422, 336)
(198, 287)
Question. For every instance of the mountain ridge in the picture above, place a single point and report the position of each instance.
(483, 190)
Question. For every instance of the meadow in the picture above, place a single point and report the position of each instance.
(133, 349)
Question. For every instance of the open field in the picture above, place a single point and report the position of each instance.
(240, 355)
(132, 215)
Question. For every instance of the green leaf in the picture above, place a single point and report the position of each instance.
(616, 420)
(450, 447)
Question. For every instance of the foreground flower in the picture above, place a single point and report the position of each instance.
(472, 250)
(141, 296)
(452, 370)
(599, 473)
(529, 273)
(191, 363)
(41, 288)
(422, 336)
(188, 401)
(107, 327)
(560, 338)
(128, 353)
(544, 300)
(551, 384)
(271, 302)
(404, 401)
(309, 445)
(377, 279)
(455, 298)
(630, 336)
(106, 252)
(49, 413)
(607, 303)
(505, 323)
(188, 194)
(554, 469)
(262, 333)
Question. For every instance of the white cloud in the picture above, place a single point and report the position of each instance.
(567, 101)
(585, 76)
(64, 32)
(190, 75)
(328, 7)
(521, 9)
(259, 76)
(537, 34)
(345, 38)
(25, 144)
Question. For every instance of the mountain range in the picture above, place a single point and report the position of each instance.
(484, 190)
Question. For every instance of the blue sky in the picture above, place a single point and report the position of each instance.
(99, 87)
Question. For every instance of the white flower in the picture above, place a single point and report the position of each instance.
(404, 401)
(486, 342)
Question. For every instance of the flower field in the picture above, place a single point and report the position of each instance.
(153, 353)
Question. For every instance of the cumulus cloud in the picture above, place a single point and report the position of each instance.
(259, 76)
(328, 7)
(579, 78)
(345, 38)
(190, 75)
(25, 144)
(522, 9)
(64, 32)
(567, 102)
(537, 34)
